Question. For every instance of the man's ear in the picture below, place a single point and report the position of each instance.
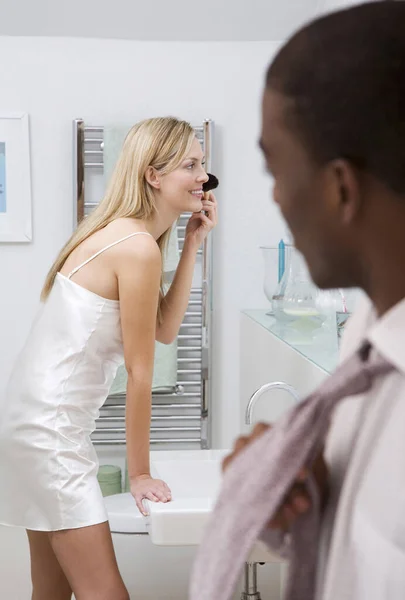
(152, 177)
(348, 193)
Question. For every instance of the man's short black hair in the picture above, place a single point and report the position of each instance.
(344, 75)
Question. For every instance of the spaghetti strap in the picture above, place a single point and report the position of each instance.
(106, 248)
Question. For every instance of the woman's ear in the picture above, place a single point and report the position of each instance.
(152, 177)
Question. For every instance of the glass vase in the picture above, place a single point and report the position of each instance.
(296, 298)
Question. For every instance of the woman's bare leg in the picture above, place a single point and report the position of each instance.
(48, 580)
(87, 558)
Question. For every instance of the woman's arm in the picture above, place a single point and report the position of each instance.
(174, 304)
(138, 282)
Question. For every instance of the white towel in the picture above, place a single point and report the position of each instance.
(164, 370)
(113, 140)
(165, 367)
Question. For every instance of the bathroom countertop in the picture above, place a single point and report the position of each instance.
(320, 346)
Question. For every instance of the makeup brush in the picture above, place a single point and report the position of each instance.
(211, 184)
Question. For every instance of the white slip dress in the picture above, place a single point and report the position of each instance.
(48, 465)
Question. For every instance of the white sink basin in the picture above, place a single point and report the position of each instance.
(194, 477)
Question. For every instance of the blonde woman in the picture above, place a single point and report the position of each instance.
(101, 302)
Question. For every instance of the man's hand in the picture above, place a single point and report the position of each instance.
(297, 500)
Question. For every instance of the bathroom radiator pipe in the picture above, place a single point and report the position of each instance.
(181, 418)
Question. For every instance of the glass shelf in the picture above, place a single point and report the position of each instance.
(320, 346)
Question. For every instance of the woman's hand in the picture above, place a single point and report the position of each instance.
(155, 490)
(297, 501)
(200, 224)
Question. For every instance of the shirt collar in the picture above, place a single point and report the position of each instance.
(387, 335)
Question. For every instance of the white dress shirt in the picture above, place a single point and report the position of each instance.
(362, 548)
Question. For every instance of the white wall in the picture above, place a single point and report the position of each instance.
(57, 80)
(177, 20)
(326, 6)
(227, 20)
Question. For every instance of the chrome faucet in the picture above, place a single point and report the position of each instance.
(251, 591)
(275, 385)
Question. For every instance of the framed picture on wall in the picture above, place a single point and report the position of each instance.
(15, 179)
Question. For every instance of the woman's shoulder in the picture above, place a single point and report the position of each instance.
(134, 242)
(131, 231)
(125, 226)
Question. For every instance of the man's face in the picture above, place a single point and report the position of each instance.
(307, 196)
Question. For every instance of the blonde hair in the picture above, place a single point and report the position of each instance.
(161, 143)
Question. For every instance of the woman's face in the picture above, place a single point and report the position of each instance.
(182, 188)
